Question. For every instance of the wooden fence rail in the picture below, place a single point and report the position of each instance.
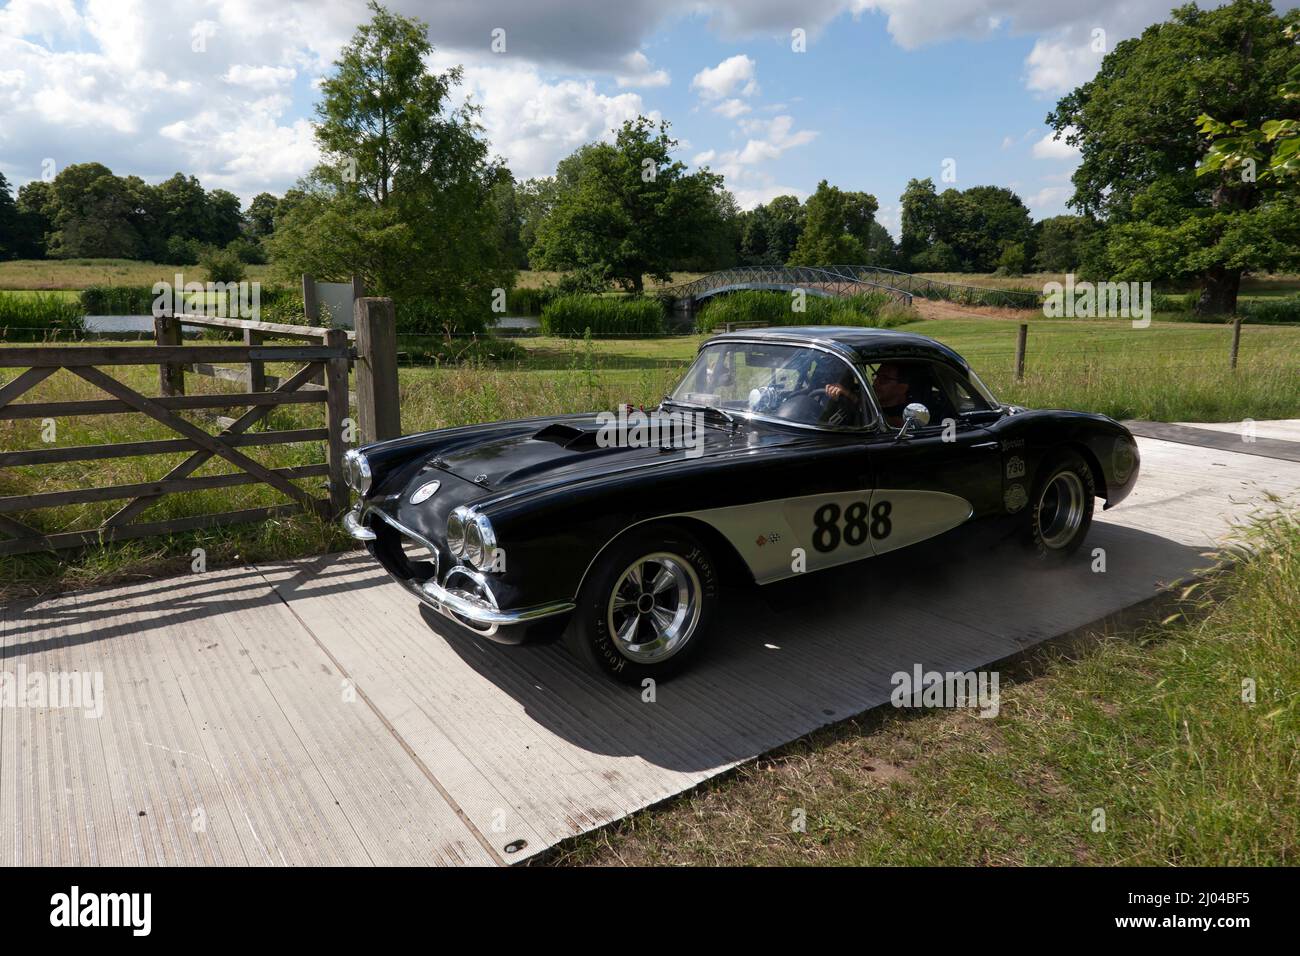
(328, 361)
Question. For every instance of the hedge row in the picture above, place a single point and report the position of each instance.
(603, 315)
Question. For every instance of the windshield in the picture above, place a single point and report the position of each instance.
(791, 383)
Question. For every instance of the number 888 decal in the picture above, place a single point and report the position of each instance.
(852, 525)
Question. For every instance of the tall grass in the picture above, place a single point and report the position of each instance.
(28, 318)
(527, 300)
(117, 299)
(1266, 311)
(869, 309)
(602, 315)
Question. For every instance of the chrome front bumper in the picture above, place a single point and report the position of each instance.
(460, 605)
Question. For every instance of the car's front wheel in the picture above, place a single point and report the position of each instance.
(646, 607)
(1062, 506)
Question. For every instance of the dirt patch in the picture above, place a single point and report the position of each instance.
(929, 309)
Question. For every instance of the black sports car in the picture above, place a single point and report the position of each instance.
(782, 451)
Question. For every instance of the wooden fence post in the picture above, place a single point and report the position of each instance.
(171, 377)
(310, 304)
(256, 370)
(1020, 351)
(1236, 342)
(378, 412)
(336, 413)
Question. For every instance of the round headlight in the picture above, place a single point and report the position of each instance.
(480, 542)
(356, 471)
(456, 531)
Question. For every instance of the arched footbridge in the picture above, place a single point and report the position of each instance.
(839, 280)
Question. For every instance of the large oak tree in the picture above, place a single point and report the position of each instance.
(627, 209)
(1135, 125)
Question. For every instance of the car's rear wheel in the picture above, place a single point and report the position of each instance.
(1062, 506)
(647, 605)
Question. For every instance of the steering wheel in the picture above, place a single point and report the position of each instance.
(806, 403)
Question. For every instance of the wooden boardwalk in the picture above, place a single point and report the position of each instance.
(308, 713)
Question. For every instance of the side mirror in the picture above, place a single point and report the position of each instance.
(914, 415)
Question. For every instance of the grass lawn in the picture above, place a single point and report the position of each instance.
(1252, 287)
(1168, 372)
(77, 274)
(69, 295)
(1149, 727)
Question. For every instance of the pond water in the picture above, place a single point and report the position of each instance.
(119, 323)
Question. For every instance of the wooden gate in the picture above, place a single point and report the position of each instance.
(327, 363)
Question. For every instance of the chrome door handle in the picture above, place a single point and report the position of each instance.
(987, 444)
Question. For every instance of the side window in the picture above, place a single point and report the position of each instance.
(963, 396)
(898, 383)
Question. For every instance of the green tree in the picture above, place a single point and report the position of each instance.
(533, 201)
(626, 209)
(719, 245)
(35, 207)
(404, 194)
(11, 239)
(182, 208)
(509, 218)
(919, 219)
(261, 215)
(837, 227)
(881, 249)
(975, 225)
(1135, 125)
(225, 218)
(92, 214)
(1059, 241)
(978, 223)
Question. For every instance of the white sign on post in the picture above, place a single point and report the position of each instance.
(330, 303)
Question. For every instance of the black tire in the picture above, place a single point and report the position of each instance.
(1061, 507)
(693, 593)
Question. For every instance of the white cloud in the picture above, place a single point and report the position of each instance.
(768, 140)
(754, 188)
(260, 77)
(734, 74)
(119, 83)
(1049, 201)
(732, 108)
(1066, 54)
(47, 19)
(641, 72)
(1050, 148)
(533, 123)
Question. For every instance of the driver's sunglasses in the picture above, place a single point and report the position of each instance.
(887, 378)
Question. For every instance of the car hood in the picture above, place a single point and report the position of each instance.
(574, 447)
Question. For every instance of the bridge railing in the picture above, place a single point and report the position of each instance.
(815, 279)
(848, 279)
(940, 290)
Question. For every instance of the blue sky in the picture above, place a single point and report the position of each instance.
(886, 90)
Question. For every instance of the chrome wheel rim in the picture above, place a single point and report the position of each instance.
(1060, 510)
(654, 607)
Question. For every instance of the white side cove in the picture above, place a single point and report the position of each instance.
(833, 529)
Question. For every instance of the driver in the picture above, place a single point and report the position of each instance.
(892, 384)
(844, 398)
